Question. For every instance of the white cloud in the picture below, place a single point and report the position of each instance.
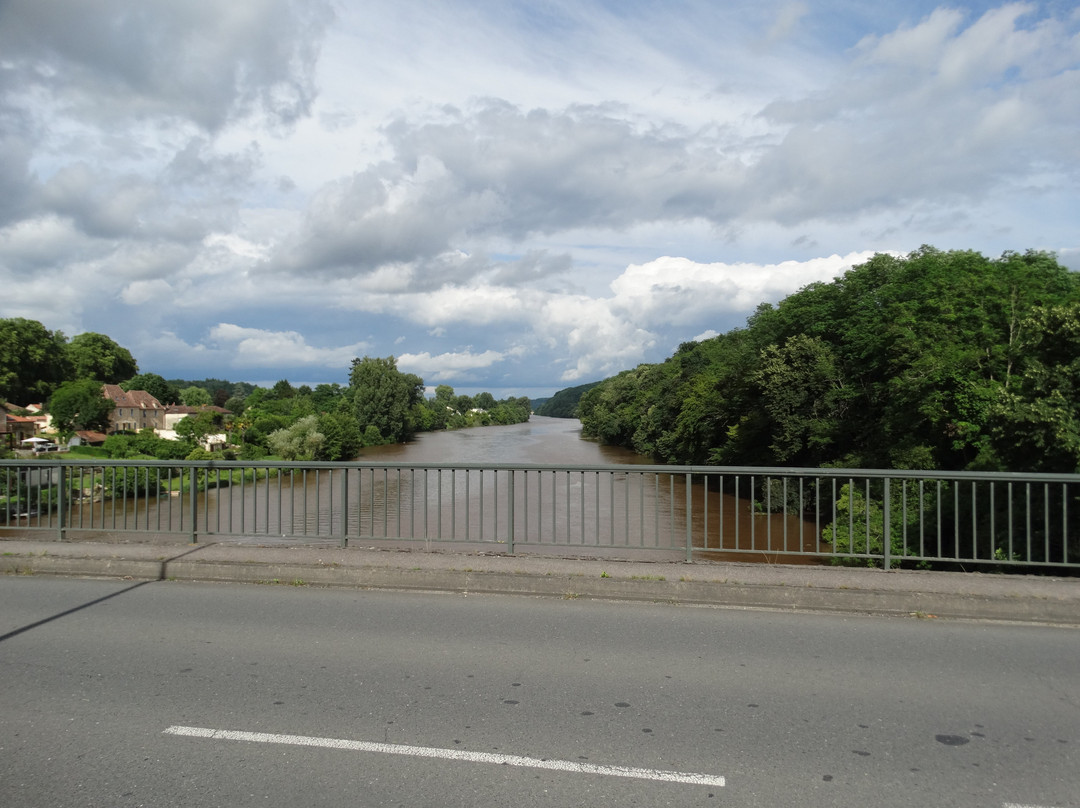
(787, 18)
(265, 186)
(256, 347)
(448, 366)
(678, 291)
(142, 292)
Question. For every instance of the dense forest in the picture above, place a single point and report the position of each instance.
(564, 404)
(328, 422)
(935, 360)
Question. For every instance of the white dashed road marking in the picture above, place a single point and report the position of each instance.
(451, 754)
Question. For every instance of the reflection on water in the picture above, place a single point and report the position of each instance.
(582, 510)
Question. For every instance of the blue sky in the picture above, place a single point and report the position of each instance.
(513, 197)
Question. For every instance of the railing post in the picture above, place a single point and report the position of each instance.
(689, 518)
(193, 503)
(886, 526)
(345, 508)
(510, 515)
(61, 502)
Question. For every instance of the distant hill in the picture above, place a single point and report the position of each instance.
(565, 402)
(537, 403)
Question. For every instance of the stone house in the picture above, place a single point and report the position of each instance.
(134, 410)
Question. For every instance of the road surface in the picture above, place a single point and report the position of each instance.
(186, 694)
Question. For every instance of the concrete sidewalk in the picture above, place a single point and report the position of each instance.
(977, 596)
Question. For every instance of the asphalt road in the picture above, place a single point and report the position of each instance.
(187, 694)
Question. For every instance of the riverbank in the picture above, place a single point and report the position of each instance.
(915, 594)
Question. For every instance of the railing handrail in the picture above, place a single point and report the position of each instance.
(855, 515)
(758, 471)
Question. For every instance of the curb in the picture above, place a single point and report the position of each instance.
(1012, 609)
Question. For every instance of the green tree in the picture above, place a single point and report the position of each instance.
(327, 397)
(384, 397)
(1036, 424)
(155, 385)
(900, 362)
(564, 403)
(299, 441)
(342, 439)
(283, 389)
(444, 394)
(195, 397)
(80, 405)
(33, 361)
(96, 356)
(803, 392)
(195, 428)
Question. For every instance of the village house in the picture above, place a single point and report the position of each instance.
(175, 413)
(134, 410)
(14, 429)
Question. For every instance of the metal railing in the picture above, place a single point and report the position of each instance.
(883, 518)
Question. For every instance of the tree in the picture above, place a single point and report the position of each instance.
(327, 397)
(383, 397)
(195, 397)
(342, 439)
(1036, 425)
(565, 402)
(901, 362)
(96, 356)
(444, 394)
(155, 385)
(804, 395)
(33, 361)
(80, 405)
(195, 428)
(300, 441)
(283, 389)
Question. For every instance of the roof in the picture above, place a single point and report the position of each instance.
(131, 398)
(91, 436)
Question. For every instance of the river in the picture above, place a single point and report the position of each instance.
(397, 497)
(621, 513)
(539, 441)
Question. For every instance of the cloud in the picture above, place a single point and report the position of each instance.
(787, 18)
(256, 347)
(678, 291)
(499, 172)
(932, 114)
(200, 60)
(448, 366)
(515, 193)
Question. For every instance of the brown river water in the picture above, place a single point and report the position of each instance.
(594, 512)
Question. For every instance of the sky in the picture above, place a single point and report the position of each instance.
(515, 197)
